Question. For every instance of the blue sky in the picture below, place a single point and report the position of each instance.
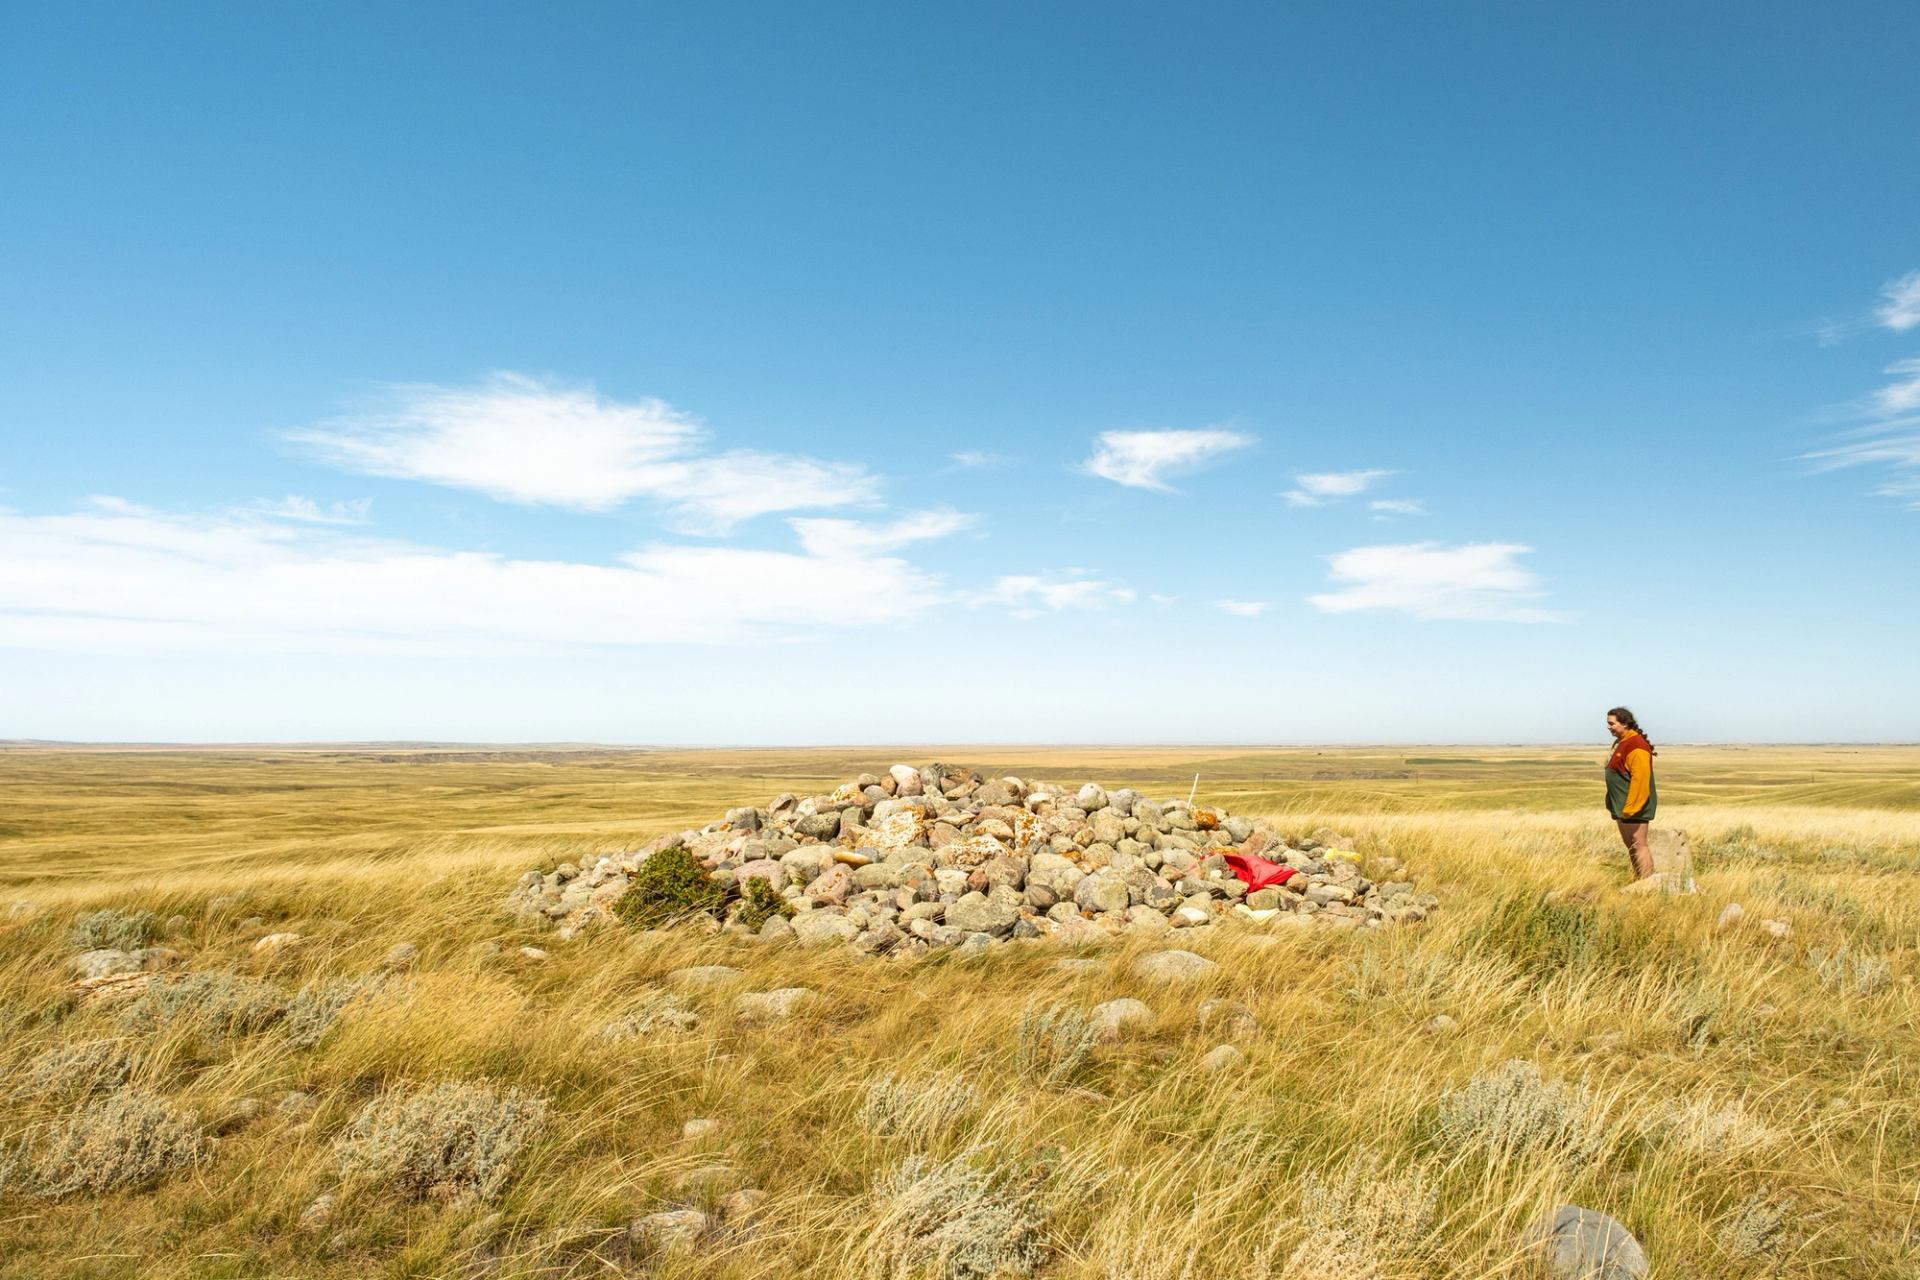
(1011, 373)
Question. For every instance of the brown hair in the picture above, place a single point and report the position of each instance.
(1625, 717)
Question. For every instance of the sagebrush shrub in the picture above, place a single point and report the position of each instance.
(1512, 1109)
(1708, 1127)
(67, 1070)
(1756, 1228)
(1055, 1043)
(967, 1218)
(919, 1109)
(220, 1004)
(313, 1010)
(120, 930)
(1850, 972)
(670, 885)
(448, 1141)
(1384, 1213)
(127, 1139)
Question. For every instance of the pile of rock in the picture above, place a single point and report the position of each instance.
(942, 856)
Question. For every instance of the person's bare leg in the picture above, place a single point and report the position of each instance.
(1642, 850)
(1634, 836)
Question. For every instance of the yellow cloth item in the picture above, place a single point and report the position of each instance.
(1640, 771)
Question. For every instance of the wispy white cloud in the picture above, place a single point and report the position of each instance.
(306, 510)
(1388, 507)
(1147, 459)
(117, 577)
(1317, 488)
(1241, 608)
(1031, 594)
(971, 459)
(1899, 307)
(1482, 581)
(836, 538)
(522, 440)
(1891, 442)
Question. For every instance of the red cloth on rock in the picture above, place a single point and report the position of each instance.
(1258, 872)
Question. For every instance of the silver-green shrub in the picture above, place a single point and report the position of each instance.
(81, 1068)
(920, 1109)
(1055, 1043)
(447, 1140)
(966, 1218)
(221, 1004)
(1512, 1109)
(120, 930)
(127, 1139)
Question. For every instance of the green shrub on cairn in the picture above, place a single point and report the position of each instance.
(671, 885)
(759, 903)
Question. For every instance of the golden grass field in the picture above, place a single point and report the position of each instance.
(1751, 1104)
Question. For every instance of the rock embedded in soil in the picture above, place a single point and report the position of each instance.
(1117, 1017)
(919, 858)
(1174, 967)
(771, 1006)
(1585, 1244)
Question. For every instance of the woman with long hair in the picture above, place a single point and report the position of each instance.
(1631, 797)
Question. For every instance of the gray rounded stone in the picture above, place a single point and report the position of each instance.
(1585, 1244)
(1117, 1017)
(1174, 966)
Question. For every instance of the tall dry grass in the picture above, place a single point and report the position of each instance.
(1743, 1112)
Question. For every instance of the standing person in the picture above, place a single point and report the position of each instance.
(1631, 797)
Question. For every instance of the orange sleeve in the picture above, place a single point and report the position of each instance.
(1640, 771)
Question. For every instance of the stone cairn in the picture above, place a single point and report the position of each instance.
(939, 856)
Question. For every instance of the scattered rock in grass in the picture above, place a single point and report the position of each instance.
(771, 1006)
(111, 988)
(1232, 1017)
(954, 858)
(274, 943)
(1174, 966)
(1729, 916)
(317, 1215)
(699, 1127)
(1776, 928)
(1117, 1017)
(1223, 1058)
(702, 976)
(1585, 1244)
(660, 1013)
(1441, 1024)
(742, 1206)
(400, 957)
(669, 1230)
(535, 954)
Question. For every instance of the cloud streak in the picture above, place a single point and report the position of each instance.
(521, 440)
(1899, 308)
(1478, 581)
(1030, 595)
(116, 577)
(1318, 488)
(1148, 459)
